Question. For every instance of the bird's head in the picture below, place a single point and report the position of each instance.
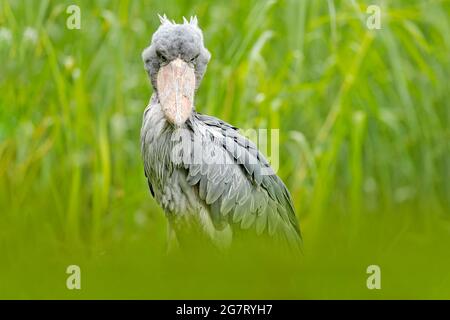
(176, 61)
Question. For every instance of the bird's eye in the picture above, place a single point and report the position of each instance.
(161, 57)
(194, 59)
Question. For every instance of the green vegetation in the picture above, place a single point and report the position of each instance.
(364, 121)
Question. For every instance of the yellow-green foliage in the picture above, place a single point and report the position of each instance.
(364, 121)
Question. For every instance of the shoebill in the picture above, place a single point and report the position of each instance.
(211, 181)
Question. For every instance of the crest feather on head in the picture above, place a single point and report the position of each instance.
(192, 21)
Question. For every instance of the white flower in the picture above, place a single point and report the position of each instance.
(69, 62)
(5, 36)
(30, 35)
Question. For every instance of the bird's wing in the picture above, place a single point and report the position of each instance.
(240, 187)
(149, 184)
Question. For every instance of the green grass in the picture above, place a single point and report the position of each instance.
(364, 120)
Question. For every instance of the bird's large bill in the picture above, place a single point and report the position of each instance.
(176, 86)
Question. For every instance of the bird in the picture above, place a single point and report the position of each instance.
(211, 181)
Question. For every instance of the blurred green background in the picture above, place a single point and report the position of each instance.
(364, 127)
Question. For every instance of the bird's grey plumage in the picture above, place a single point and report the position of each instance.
(171, 40)
(205, 174)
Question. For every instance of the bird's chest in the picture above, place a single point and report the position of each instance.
(168, 180)
(156, 146)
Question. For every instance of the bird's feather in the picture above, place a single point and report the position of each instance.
(238, 191)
